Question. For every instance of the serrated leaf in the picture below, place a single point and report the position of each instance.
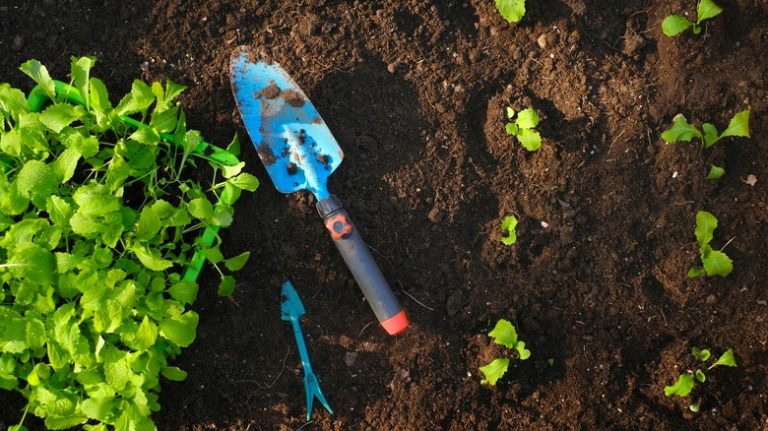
(710, 134)
(200, 208)
(707, 9)
(226, 285)
(504, 333)
(245, 181)
(509, 226)
(682, 387)
(706, 223)
(33, 263)
(511, 129)
(57, 117)
(739, 125)
(511, 10)
(81, 69)
(527, 118)
(174, 373)
(213, 254)
(717, 263)
(145, 335)
(151, 258)
(181, 329)
(715, 172)
(231, 171)
(148, 224)
(64, 422)
(36, 179)
(13, 101)
(238, 262)
(65, 164)
(727, 359)
(530, 139)
(39, 74)
(494, 371)
(184, 291)
(674, 25)
(138, 100)
(164, 121)
(681, 130)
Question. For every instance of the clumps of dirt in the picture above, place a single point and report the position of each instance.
(271, 91)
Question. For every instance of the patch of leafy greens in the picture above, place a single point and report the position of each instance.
(715, 262)
(673, 25)
(97, 224)
(524, 127)
(505, 334)
(686, 382)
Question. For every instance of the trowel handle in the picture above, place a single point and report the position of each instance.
(360, 262)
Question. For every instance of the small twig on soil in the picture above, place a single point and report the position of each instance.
(287, 352)
(417, 301)
(726, 244)
(364, 328)
(304, 426)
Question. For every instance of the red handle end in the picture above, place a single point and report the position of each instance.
(396, 324)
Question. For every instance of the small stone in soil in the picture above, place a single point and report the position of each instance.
(542, 41)
(18, 42)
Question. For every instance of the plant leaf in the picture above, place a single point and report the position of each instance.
(739, 125)
(511, 10)
(530, 139)
(494, 371)
(151, 259)
(200, 208)
(184, 291)
(700, 376)
(681, 130)
(81, 69)
(511, 129)
(522, 352)
(717, 263)
(146, 335)
(174, 373)
(181, 329)
(715, 172)
(510, 112)
(39, 74)
(509, 225)
(710, 134)
(706, 223)
(245, 181)
(707, 9)
(226, 286)
(527, 118)
(238, 262)
(674, 25)
(504, 333)
(681, 388)
(726, 359)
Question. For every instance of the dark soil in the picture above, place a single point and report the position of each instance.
(415, 94)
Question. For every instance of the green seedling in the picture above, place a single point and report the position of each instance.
(511, 10)
(524, 127)
(715, 172)
(98, 224)
(715, 262)
(509, 226)
(503, 333)
(686, 382)
(682, 130)
(673, 25)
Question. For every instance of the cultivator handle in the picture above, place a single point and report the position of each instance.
(360, 262)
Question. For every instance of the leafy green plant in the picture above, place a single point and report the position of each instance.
(98, 222)
(524, 127)
(685, 383)
(511, 10)
(715, 262)
(682, 130)
(673, 25)
(509, 226)
(503, 333)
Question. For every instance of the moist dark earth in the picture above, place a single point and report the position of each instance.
(415, 93)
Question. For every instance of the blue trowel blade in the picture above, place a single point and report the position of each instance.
(292, 140)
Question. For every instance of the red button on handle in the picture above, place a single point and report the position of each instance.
(338, 226)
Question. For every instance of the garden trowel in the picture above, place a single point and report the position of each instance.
(300, 153)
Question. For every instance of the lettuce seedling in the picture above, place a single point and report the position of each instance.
(686, 382)
(682, 130)
(715, 172)
(503, 333)
(508, 225)
(511, 10)
(524, 128)
(715, 262)
(673, 25)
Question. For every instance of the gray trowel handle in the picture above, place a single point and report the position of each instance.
(360, 262)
